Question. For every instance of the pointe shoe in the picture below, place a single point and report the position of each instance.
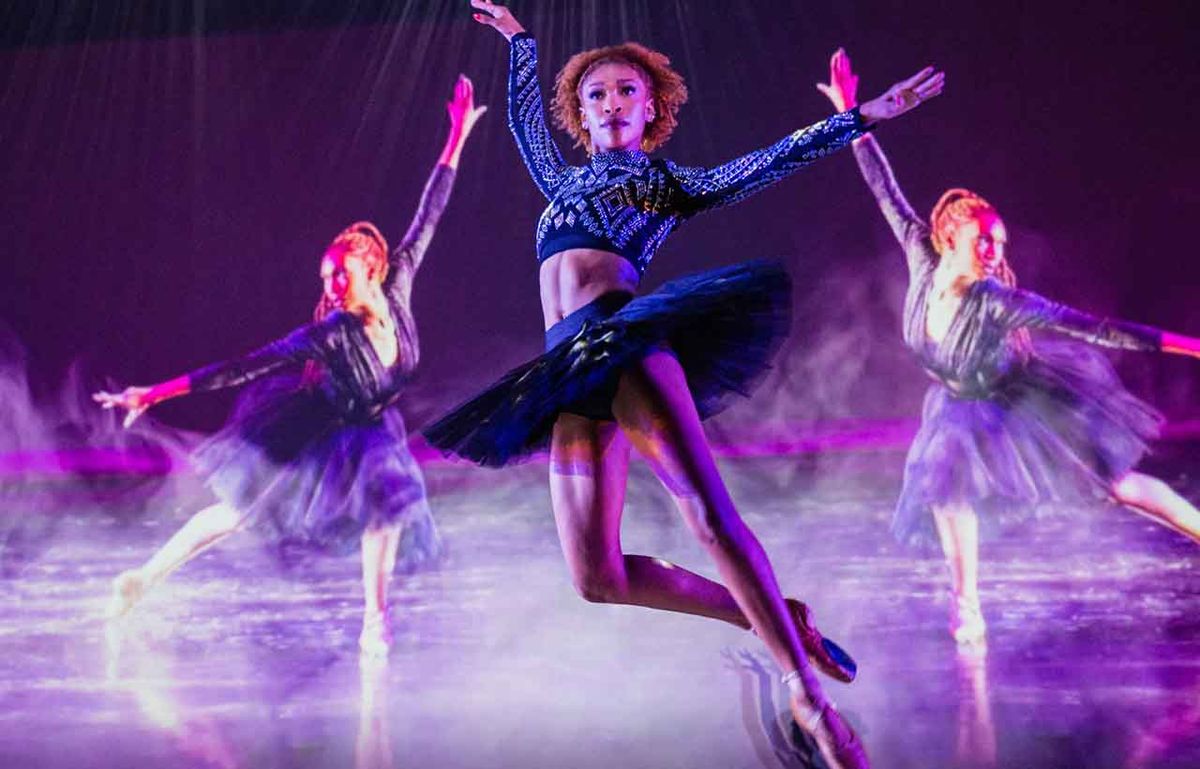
(376, 637)
(830, 659)
(127, 590)
(966, 620)
(839, 744)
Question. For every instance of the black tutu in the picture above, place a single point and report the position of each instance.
(305, 474)
(723, 325)
(1060, 429)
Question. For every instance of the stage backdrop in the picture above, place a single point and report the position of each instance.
(169, 178)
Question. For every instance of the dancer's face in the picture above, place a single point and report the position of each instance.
(615, 104)
(344, 276)
(978, 245)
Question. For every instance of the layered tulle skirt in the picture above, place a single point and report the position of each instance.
(724, 326)
(303, 473)
(1056, 432)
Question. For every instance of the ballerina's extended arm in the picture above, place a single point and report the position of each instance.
(743, 176)
(909, 229)
(1017, 308)
(305, 343)
(463, 116)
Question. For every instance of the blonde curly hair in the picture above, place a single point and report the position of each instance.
(667, 91)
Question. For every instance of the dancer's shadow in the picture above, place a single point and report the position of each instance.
(777, 741)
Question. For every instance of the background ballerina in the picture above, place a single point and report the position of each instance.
(318, 453)
(1009, 423)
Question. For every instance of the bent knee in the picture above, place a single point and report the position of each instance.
(710, 525)
(599, 586)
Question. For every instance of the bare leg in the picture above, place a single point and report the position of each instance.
(1158, 502)
(588, 465)
(379, 547)
(958, 530)
(202, 531)
(657, 413)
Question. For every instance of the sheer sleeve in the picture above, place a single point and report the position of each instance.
(728, 183)
(411, 250)
(527, 117)
(308, 342)
(1016, 308)
(908, 228)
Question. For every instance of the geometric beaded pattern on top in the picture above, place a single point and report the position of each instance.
(623, 201)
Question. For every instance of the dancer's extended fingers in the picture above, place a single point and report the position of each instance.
(931, 87)
(489, 8)
(917, 78)
(841, 62)
(934, 77)
(109, 400)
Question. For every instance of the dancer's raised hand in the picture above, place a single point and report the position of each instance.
(462, 109)
(497, 17)
(903, 96)
(135, 401)
(842, 88)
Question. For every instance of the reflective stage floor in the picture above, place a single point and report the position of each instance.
(244, 659)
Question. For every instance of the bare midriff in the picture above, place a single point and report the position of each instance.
(571, 279)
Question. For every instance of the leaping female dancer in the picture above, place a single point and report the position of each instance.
(621, 371)
(321, 456)
(1007, 424)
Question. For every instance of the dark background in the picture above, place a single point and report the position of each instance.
(170, 173)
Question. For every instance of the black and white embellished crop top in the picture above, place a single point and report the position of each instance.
(625, 202)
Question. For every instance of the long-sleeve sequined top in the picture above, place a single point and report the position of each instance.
(626, 203)
(357, 383)
(979, 348)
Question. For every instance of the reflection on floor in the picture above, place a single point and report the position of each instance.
(244, 659)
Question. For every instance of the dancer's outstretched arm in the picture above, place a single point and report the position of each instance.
(526, 110)
(463, 116)
(741, 177)
(305, 343)
(909, 229)
(1017, 308)
(135, 400)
